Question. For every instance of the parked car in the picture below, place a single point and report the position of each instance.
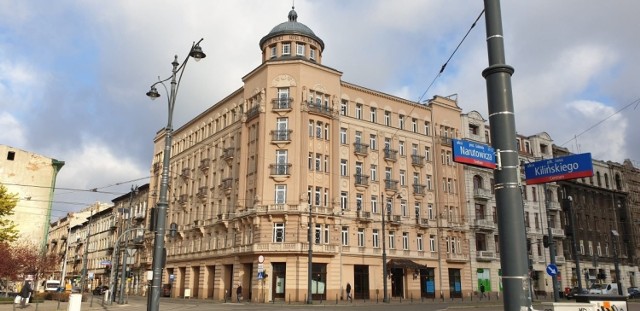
(100, 290)
(574, 291)
(595, 289)
(633, 292)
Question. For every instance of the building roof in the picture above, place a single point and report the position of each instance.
(292, 27)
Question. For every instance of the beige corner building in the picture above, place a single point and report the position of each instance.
(33, 178)
(296, 148)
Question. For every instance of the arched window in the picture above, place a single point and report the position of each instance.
(606, 180)
(598, 179)
(618, 182)
(477, 182)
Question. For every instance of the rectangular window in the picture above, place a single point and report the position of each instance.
(372, 142)
(317, 195)
(414, 125)
(405, 241)
(392, 239)
(359, 201)
(374, 204)
(286, 49)
(344, 108)
(387, 118)
(360, 237)
(278, 232)
(376, 238)
(343, 167)
(344, 200)
(419, 243)
(401, 148)
(430, 211)
(318, 162)
(432, 243)
(374, 172)
(299, 49)
(343, 135)
(373, 115)
(401, 122)
(427, 127)
(273, 52)
(403, 177)
(281, 194)
(358, 111)
(403, 208)
(345, 236)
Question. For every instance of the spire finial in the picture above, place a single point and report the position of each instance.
(293, 16)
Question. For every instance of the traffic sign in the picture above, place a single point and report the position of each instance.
(552, 269)
(105, 262)
(260, 275)
(472, 153)
(550, 170)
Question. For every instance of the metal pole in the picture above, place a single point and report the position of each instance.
(385, 296)
(616, 263)
(552, 244)
(83, 273)
(508, 197)
(66, 254)
(574, 245)
(310, 260)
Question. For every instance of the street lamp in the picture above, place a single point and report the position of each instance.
(161, 212)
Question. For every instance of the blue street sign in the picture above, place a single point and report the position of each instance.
(552, 269)
(472, 153)
(260, 275)
(550, 170)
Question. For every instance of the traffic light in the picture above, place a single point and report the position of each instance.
(545, 241)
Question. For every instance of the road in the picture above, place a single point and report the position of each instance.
(139, 304)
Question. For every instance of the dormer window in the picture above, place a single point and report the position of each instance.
(299, 49)
(274, 52)
(286, 49)
(312, 54)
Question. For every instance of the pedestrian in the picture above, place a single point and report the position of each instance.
(25, 293)
(349, 292)
(482, 291)
(239, 292)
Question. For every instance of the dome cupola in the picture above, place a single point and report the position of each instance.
(291, 39)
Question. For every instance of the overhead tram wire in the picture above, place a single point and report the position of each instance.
(575, 137)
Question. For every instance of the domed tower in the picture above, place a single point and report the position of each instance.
(291, 40)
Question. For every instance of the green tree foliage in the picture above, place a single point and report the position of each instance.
(8, 201)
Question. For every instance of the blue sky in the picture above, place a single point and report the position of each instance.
(73, 74)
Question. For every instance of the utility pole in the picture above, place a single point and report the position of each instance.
(552, 244)
(508, 197)
(83, 277)
(567, 206)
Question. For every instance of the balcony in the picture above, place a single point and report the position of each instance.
(445, 141)
(395, 220)
(324, 110)
(423, 222)
(183, 199)
(156, 167)
(280, 171)
(391, 185)
(484, 224)
(455, 257)
(226, 184)
(417, 160)
(282, 104)
(202, 193)
(186, 173)
(361, 180)
(557, 232)
(560, 260)
(364, 216)
(485, 256)
(419, 190)
(228, 153)
(482, 194)
(204, 164)
(281, 136)
(361, 149)
(554, 206)
(390, 155)
(253, 112)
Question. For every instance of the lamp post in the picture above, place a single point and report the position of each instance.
(83, 273)
(123, 276)
(161, 212)
(616, 261)
(385, 298)
(310, 260)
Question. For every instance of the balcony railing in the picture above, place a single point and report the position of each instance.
(320, 109)
(484, 194)
(446, 141)
(204, 164)
(227, 183)
(419, 189)
(282, 103)
(363, 216)
(485, 255)
(417, 160)
(280, 168)
(361, 180)
(253, 112)
(202, 192)
(183, 199)
(390, 154)
(391, 185)
(485, 223)
(281, 135)
(361, 149)
(228, 153)
(557, 232)
(423, 222)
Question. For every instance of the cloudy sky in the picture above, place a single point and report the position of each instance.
(73, 74)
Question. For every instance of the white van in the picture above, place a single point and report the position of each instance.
(610, 289)
(51, 285)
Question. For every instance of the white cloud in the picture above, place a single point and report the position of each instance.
(12, 133)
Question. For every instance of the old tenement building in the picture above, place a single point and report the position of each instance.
(294, 146)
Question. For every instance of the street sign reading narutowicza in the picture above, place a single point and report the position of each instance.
(475, 154)
(550, 170)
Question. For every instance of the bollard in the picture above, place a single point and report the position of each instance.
(376, 297)
(400, 299)
(58, 307)
(37, 303)
(336, 298)
(411, 296)
(75, 302)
